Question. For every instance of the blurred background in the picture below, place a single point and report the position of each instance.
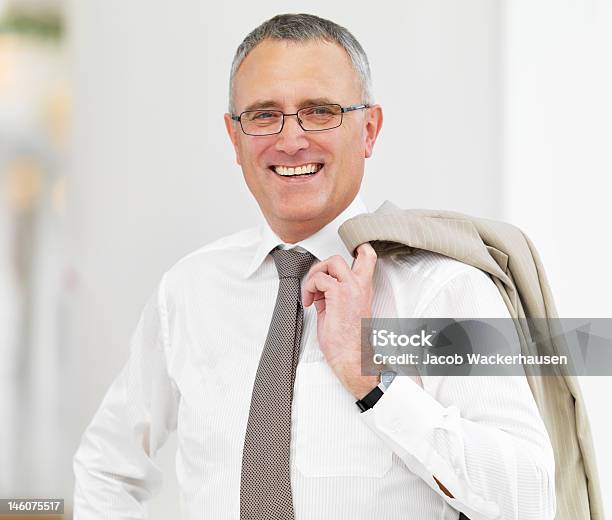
(114, 162)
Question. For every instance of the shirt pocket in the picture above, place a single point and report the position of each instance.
(330, 438)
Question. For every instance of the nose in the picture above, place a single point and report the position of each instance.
(292, 138)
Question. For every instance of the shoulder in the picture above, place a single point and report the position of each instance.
(227, 255)
(442, 285)
(430, 267)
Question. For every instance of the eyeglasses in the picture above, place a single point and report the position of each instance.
(311, 119)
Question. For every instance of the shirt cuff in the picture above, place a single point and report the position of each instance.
(404, 418)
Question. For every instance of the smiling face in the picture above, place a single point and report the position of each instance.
(288, 76)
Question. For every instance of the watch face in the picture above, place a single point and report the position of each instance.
(386, 377)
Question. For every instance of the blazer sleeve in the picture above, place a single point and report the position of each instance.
(481, 437)
(115, 474)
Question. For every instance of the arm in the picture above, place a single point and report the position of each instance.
(479, 442)
(115, 475)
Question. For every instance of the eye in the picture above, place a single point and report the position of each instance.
(263, 115)
(321, 111)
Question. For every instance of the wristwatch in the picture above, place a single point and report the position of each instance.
(367, 402)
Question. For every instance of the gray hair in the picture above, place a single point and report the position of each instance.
(303, 28)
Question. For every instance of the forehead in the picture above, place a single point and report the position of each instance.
(289, 72)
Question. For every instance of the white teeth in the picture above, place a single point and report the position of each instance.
(299, 170)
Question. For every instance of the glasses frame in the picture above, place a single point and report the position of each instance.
(343, 110)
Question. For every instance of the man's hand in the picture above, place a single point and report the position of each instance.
(342, 297)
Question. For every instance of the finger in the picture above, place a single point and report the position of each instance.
(318, 283)
(365, 262)
(335, 266)
(319, 304)
(309, 297)
(316, 298)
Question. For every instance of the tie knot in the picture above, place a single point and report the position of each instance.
(291, 263)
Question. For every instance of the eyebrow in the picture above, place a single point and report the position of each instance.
(269, 103)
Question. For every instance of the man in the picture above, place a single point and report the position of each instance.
(262, 391)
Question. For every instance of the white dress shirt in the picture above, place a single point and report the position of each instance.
(191, 368)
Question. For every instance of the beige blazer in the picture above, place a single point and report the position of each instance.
(507, 255)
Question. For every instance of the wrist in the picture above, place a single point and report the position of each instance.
(363, 385)
(348, 370)
(372, 397)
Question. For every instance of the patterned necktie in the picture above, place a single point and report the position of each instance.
(265, 484)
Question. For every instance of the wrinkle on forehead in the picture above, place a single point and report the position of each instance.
(287, 73)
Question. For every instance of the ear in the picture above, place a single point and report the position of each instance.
(232, 132)
(373, 124)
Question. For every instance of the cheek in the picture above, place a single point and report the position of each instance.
(351, 150)
(353, 139)
(250, 152)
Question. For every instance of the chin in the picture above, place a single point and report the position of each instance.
(302, 211)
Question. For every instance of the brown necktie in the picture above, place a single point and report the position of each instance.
(265, 483)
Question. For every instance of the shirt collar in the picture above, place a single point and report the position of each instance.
(324, 243)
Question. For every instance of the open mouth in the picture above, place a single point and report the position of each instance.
(297, 171)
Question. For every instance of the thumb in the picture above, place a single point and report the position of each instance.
(365, 262)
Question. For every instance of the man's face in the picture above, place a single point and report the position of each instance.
(288, 76)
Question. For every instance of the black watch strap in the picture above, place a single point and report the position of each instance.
(370, 399)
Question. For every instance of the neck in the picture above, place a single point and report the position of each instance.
(296, 231)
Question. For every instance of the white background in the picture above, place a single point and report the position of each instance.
(498, 109)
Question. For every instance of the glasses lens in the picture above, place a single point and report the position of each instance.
(322, 117)
(261, 122)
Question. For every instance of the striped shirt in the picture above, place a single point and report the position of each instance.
(192, 364)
